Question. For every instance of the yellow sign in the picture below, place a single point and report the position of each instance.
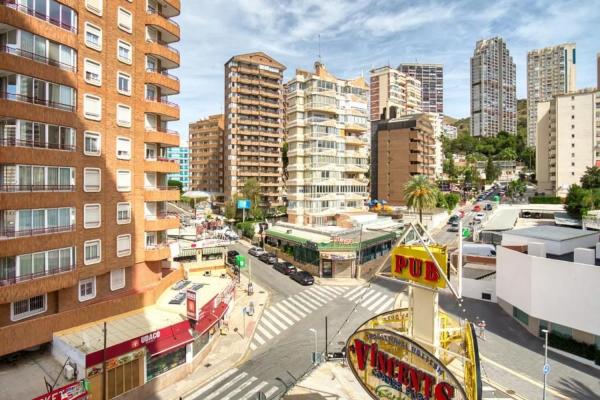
(412, 263)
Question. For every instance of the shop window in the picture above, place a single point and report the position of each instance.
(561, 330)
(163, 363)
(200, 342)
(521, 315)
(123, 378)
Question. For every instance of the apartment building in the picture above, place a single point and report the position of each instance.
(493, 89)
(254, 126)
(405, 147)
(449, 131)
(327, 123)
(206, 154)
(431, 77)
(392, 88)
(180, 155)
(568, 128)
(437, 123)
(84, 113)
(550, 71)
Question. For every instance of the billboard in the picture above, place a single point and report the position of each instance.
(243, 204)
(392, 366)
(191, 305)
(413, 263)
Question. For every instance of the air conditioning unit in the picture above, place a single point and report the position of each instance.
(69, 372)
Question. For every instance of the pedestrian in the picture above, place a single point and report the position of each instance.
(482, 330)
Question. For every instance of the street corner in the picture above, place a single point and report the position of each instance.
(339, 281)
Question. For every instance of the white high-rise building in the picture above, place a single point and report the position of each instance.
(493, 89)
(449, 131)
(550, 71)
(437, 123)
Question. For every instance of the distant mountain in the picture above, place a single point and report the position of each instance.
(464, 124)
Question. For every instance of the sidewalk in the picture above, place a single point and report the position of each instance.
(228, 350)
(331, 380)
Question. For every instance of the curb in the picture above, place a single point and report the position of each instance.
(504, 390)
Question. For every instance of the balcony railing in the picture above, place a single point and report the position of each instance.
(167, 131)
(161, 215)
(162, 100)
(12, 279)
(35, 57)
(33, 100)
(151, 10)
(157, 246)
(161, 187)
(163, 73)
(163, 43)
(14, 142)
(37, 188)
(11, 233)
(26, 10)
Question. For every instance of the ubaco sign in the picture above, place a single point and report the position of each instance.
(413, 263)
(393, 367)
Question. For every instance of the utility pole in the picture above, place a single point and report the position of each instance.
(546, 366)
(104, 372)
(460, 263)
(326, 338)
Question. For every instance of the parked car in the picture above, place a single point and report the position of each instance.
(453, 227)
(479, 217)
(285, 267)
(268, 258)
(453, 219)
(303, 278)
(256, 251)
(477, 208)
(488, 207)
(479, 249)
(231, 254)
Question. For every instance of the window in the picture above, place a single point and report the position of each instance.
(123, 213)
(28, 307)
(92, 252)
(123, 83)
(124, 51)
(93, 36)
(123, 115)
(91, 143)
(123, 180)
(123, 148)
(92, 107)
(117, 279)
(87, 289)
(521, 315)
(91, 180)
(92, 71)
(94, 6)
(124, 20)
(123, 245)
(91, 216)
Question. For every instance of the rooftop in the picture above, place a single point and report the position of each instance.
(549, 232)
(503, 220)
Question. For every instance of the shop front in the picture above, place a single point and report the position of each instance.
(340, 264)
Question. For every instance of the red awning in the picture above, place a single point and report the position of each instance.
(176, 337)
(208, 319)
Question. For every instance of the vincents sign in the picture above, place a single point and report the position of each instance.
(393, 367)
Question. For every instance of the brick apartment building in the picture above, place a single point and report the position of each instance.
(206, 154)
(254, 125)
(84, 112)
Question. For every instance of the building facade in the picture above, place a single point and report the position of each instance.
(180, 155)
(405, 147)
(391, 88)
(327, 123)
(550, 71)
(566, 131)
(254, 126)
(493, 89)
(437, 122)
(431, 77)
(449, 131)
(83, 184)
(206, 137)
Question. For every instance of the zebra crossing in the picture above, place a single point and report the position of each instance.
(373, 300)
(281, 316)
(234, 385)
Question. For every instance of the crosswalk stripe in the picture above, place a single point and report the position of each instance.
(205, 388)
(264, 332)
(299, 305)
(275, 311)
(318, 302)
(378, 302)
(271, 392)
(252, 391)
(318, 296)
(272, 318)
(337, 289)
(305, 303)
(366, 297)
(386, 306)
(259, 338)
(325, 291)
(285, 311)
(351, 292)
(253, 346)
(265, 321)
(357, 295)
(231, 382)
(239, 388)
(323, 295)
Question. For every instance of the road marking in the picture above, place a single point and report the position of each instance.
(299, 305)
(259, 339)
(358, 294)
(302, 300)
(378, 302)
(253, 346)
(285, 311)
(239, 388)
(203, 389)
(386, 306)
(225, 386)
(336, 289)
(254, 390)
(550, 389)
(272, 318)
(321, 298)
(318, 301)
(327, 291)
(271, 392)
(280, 315)
(371, 297)
(264, 332)
(265, 321)
(327, 296)
(356, 289)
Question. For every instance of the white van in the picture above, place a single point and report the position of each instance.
(475, 249)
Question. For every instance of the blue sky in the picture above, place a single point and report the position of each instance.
(357, 35)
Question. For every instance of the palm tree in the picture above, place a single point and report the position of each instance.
(420, 193)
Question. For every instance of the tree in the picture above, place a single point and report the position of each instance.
(507, 154)
(420, 193)
(591, 178)
(450, 168)
(516, 188)
(174, 182)
(579, 201)
(251, 190)
(491, 172)
(441, 200)
(284, 158)
(452, 200)
(230, 209)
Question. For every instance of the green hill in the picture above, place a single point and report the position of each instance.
(464, 124)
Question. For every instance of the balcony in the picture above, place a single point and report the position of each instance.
(11, 233)
(170, 8)
(169, 29)
(161, 222)
(14, 287)
(26, 10)
(163, 165)
(9, 188)
(161, 193)
(157, 252)
(34, 57)
(14, 142)
(168, 55)
(169, 111)
(166, 137)
(169, 84)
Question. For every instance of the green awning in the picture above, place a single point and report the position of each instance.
(285, 236)
(187, 252)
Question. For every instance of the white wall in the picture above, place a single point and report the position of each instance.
(552, 246)
(552, 290)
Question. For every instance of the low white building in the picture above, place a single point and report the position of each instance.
(557, 240)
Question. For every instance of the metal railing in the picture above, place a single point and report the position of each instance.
(33, 100)
(156, 246)
(161, 187)
(36, 188)
(167, 131)
(161, 215)
(11, 233)
(14, 142)
(26, 10)
(163, 73)
(163, 43)
(151, 10)
(11, 280)
(162, 100)
(35, 57)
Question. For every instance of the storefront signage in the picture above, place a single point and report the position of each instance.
(191, 306)
(339, 240)
(391, 366)
(413, 263)
(72, 391)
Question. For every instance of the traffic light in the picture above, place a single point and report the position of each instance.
(240, 261)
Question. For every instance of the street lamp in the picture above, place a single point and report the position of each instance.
(315, 356)
(546, 366)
